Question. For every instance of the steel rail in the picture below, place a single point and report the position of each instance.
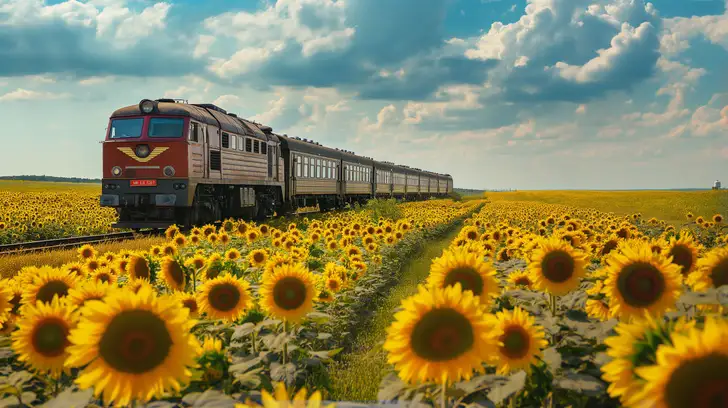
(68, 242)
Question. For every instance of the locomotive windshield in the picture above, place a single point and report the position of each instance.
(166, 127)
(126, 128)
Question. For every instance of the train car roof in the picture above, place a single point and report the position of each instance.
(297, 145)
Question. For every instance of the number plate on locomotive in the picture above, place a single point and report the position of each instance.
(143, 183)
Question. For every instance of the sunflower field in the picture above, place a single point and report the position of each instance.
(222, 316)
(541, 305)
(33, 211)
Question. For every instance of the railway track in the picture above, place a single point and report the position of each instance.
(70, 242)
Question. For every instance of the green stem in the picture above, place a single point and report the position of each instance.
(253, 340)
(285, 343)
(443, 396)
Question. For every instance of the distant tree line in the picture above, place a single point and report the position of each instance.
(52, 179)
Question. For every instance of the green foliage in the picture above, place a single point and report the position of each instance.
(381, 208)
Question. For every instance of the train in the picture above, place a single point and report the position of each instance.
(167, 161)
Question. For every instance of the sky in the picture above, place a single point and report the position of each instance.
(519, 94)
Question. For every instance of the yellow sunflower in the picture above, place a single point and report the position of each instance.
(684, 252)
(258, 257)
(556, 267)
(173, 273)
(104, 275)
(189, 301)
(41, 340)
(224, 297)
(280, 399)
(48, 282)
(89, 290)
(711, 271)
(138, 267)
(86, 252)
(6, 296)
(634, 346)
(638, 281)
(521, 342)
(520, 280)
(692, 372)
(133, 347)
(469, 270)
(232, 254)
(597, 309)
(288, 292)
(441, 335)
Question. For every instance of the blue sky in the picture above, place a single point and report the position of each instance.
(537, 94)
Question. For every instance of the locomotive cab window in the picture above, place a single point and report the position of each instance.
(225, 140)
(194, 129)
(166, 127)
(126, 128)
(256, 146)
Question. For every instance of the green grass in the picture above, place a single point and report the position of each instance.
(357, 376)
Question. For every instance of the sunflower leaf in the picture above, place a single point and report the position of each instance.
(515, 383)
(209, 398)
(19, 378)
(244, 366)
(318, 317)
(243, 330)
(70, 398)
(581, 383)
(553, 358)
(699, 298)
(283, 372)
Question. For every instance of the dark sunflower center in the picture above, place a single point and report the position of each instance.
(558, 266)
(719, 273)
(441, 335)
(699, 383)
(175, 273)
(135, 341)
(472, 235)
(140, 268)
(289, 293)
(609, 246)
(50, 338)
(468, 278)
(103, 277)
(258, 257)
(523, 280)
(51, 288)
(333, 284)
(190, 304)
(681, 255)
(515, 342)
(224, 297)
(641, 284)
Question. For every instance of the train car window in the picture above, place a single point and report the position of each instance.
(225, 140)
(298, 166)
(194, 128)
(166, 127)
(305, 167)
(264, 148)
(256, 146)
(248, 145)
(126, 128)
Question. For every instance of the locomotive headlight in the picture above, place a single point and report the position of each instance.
(146, 106)
(116, 171)
(169, 171)
(142, 151)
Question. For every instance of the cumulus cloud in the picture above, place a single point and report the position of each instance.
(680, 30)
(572, 50)
(28, 95)
(89, 39)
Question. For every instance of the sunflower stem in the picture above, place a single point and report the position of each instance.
(443, 395)
(285, 342)
(253, 340)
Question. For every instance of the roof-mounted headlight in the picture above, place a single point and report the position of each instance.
(147, 106)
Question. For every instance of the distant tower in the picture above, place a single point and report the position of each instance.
(716, 185)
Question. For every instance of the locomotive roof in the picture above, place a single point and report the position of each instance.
(228, 123)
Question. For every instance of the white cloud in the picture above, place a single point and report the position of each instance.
(580, 109)
(313, 25)
(95, 81)
(679, 31)
(226, 100)
(204, 42)
(387, 115)
(275, 110)
(624, 47)
(27, 95)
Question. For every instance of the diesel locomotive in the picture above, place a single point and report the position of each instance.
(167, 161)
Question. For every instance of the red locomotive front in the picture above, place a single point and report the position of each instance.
(145, 166)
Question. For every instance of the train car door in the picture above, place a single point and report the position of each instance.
(343, 172)
(271, 160)
(205, 151)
